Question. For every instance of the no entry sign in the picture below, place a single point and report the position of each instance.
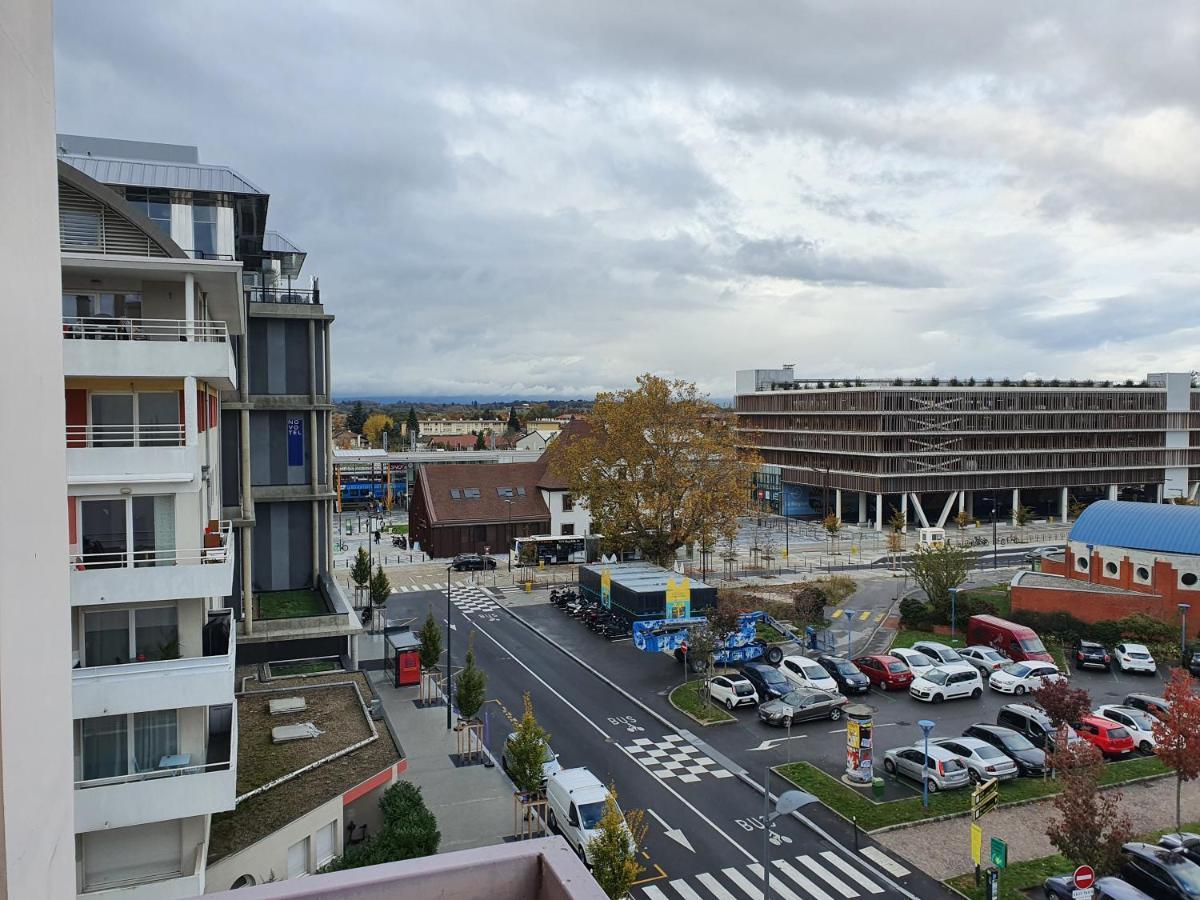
(1085, 877)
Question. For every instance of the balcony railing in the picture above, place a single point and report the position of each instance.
(282, 295)
(114, 328)
(165, 772)
(126, 435)
(216, 550)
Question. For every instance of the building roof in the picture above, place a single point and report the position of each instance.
(274, 242)
(155, 174)
(1025, 578)
(454, 441)
(1167, 528)
(572, 431)
(483, 492)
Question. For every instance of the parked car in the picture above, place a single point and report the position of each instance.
(550, 763)
(1109, 737)
(1031, 762)
(945, 770)
(1184, 842)
(472, 562)
(1139, 724)
(983, 761)
(1134, 658)
(802, 706)
(1091, 654)
(885, 672)
(845, 673)
(1160, 872)
(575, 800)
(947, 682)
(1020, 677)
(939, 653)
(918, 663)
(985, 659)
(732, 690)
(1062, 887)
(767, 680)
(1039, 552)
(1148, 703)
(1191, 661)
(1020, 642)
(1033, 724)
(803, 673)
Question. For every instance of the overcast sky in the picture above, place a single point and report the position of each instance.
(549, 198)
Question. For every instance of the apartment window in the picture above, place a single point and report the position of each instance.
(145, 419)
(568, 529)
(155, 205)
(124, 305)
(297, 859)
(108, 528)
(204, 229)
(113, 746)
(326, 844)
(116, 637)
(568, 503)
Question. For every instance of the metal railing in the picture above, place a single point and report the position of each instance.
(133, 558)
(152, 774)
(172, 435)
(125, 328)
(282, 295)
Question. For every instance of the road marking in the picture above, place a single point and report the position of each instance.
(743, 882)
(879, 616)
(684, 890)
(715, 887)
(864, 615)
(673, 833)
(674, 793)
(885, 862)
(801, 879)
(777, 886)
(852, 872)
(774, 742)
(654, 893)
(832, 880)
(836, 614)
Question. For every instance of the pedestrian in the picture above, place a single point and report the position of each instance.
(377, 535)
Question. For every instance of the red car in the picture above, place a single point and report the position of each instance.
(885, 672)
(1109, 737)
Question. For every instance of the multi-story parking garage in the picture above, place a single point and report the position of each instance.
(929, 449)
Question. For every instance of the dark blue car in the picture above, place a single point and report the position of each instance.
(1062, 887)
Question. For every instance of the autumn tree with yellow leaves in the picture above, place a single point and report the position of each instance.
(377, 424)
(658, 469)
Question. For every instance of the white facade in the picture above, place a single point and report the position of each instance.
(35, 682)
(568, 514)
(443, 427)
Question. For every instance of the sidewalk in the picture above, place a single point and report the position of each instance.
(473, 804)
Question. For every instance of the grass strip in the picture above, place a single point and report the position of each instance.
(687, 697)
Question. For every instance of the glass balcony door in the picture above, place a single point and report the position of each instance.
(109, 528)
(128, 744)
(141, 419)
(116, 637)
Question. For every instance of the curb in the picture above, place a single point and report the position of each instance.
(671, 700)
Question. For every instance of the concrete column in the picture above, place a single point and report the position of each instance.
(316, 542)
(837, 502)
(1159, 494)
(312, 361)
(862, 507)
(189, 306)
(1016, 502)
(191, 425)
(970, 503)
(247, 581)
(962, 501)
(879, 512)
(1064, 504)
(1112, 492)
(314, 484)
(904, 511)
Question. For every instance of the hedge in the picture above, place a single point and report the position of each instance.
(409, 830)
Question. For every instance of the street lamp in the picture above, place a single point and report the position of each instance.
(926, 727)
(786, 804)
(953, 610)
(1183, 611)
(449, 632)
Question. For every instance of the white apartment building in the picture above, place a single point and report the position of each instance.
(146, 341)
(445, 427)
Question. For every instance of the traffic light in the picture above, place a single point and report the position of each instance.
(985, 798)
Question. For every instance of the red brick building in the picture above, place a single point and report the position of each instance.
(1121, 558)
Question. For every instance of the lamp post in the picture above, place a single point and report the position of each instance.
(953, 610)
(786, 804)
(926, 727)
(449, 632)
(1183, 611)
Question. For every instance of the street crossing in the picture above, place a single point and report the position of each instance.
(468, 597)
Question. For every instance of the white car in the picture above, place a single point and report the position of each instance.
(986, 659)
(1019, 677)
(1134, 658)
(732, 690)
(1139, 724)
(939, 653)
(983, 761)
(918, 663)
(947, 682)
(802, 673)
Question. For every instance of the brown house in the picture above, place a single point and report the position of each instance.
(471, 508)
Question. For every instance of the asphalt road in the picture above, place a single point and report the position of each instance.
(705, 837)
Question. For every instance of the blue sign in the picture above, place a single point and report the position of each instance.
(295, 436)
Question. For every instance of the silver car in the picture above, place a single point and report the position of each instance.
(946, 771)
(983, 761)
(986, 659)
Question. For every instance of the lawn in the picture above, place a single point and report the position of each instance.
(291, 604)
(687, 698)
(399, 529)
(308, 667)
(871, 815)
(995, 594)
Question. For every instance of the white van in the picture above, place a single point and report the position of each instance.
(576, 800)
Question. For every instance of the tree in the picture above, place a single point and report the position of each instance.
(809, 604)
(936, 570)
(431, 642)
(897, 521)
(360, 572)
(1090, 827)
(895, 545)
(1063, 704)
(471, 688)
(514, 424)
(381, 586)
(1023, 515)
(659, 468)
(963, 519)
(375, 425)
(1177, 735)
(356, 417)
(614, 850)
(833, 527)
(479, 444)
(409, 830)
(414, 424)
(526, 752)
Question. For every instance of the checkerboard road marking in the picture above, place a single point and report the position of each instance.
(673, 757)
(470, 599)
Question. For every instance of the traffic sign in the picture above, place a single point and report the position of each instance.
(1085, 877)
(976, 842)
(999, 853)
(985, 798)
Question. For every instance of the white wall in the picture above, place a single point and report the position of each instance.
(579, 516)
(36, 858)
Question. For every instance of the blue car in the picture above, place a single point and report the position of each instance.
(1062, 887)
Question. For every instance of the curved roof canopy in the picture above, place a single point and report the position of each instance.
(1167, 528)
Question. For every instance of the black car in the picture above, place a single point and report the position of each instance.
(1031, 762)
(767, 680)
(1191, 661)
(472, 562)
(1062, 887)
(802, 706)
(1184, 842)
(1160, 872)
(1089, 653)
(849, 679)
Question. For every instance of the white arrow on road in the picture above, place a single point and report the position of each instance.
(775, 742)
(673, 833)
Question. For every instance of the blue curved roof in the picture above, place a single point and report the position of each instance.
(1167, 528)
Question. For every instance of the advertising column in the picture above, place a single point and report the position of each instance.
(859, 728)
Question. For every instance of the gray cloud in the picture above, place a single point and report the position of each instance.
(803, 260)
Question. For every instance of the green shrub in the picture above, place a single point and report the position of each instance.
(915, 615)
(1142, 629)
(409, 830)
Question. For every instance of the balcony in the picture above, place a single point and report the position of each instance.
(108, 346)
(138, 576)
(188, 883)
(124, 454)
(198, 781)
(282, 295)
(205, 680)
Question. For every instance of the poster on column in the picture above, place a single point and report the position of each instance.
(295, 442)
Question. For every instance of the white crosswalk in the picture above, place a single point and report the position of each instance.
(819, 876)
(468, 597)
